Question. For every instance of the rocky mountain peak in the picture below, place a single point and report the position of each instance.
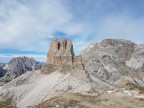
(18, 66)
(116, 42)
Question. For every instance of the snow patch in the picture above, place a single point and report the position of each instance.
(109, 92)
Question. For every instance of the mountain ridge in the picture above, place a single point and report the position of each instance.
(106, 79)
(16, 67)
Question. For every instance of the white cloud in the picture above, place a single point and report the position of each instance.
(26, 25)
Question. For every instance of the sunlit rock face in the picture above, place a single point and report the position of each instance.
(61, 57)
(59, 49)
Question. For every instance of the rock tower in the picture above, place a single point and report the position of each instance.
(61, 57)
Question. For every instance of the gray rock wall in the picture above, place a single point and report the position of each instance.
(112, 59)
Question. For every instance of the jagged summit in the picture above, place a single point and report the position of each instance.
(19, 65)
(61, 56)
(116, 42)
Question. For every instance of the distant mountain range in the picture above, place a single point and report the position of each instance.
(18, 66)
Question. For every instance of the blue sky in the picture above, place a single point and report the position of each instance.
(28, 26)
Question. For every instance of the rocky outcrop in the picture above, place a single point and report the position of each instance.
(59, 49)
(18, 66)
(110, 61)
(61, 57)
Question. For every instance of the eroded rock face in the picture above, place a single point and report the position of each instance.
(59, 49)
(113, 62)
(61, 56)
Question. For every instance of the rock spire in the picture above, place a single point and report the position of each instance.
(61, 57)
(59, 49)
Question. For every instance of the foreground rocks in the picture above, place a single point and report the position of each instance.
(106, 100)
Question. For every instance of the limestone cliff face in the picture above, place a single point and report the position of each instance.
(53, 50)
(58, 49)
(61, 57)
(114, 62)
